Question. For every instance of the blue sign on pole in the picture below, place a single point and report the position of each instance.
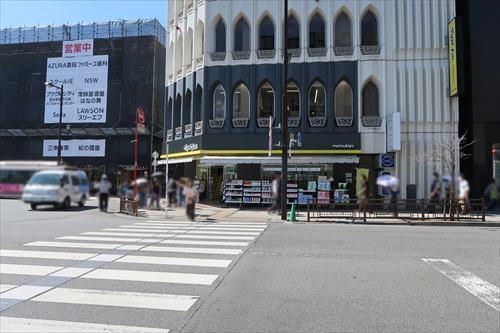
(299, 139)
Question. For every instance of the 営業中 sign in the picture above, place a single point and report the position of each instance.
(75, 148)
(78, 48)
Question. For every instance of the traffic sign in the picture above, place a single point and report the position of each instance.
(140, 116)
(155, 155)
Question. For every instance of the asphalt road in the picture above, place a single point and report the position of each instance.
(246, 277)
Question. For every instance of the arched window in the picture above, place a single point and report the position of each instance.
(241, 102)
(343, 34)
(266, 34)
(242, 36)
(317, 105)
(219, 108)
(265, 103)
(317, 32)
(293, 33)
(370, 114)
(293, 95)
(343, 104)
(369, 30)
(220, 37)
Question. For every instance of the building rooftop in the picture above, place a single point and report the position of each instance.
(111, 29)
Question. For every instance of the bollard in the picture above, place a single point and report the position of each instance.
(292, 213)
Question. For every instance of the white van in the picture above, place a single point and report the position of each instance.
(57, 187)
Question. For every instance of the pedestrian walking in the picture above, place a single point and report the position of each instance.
(435, 190)
(191, 197)
(491, 195)
(363, 195)
(394, 192)
(171, 191)
(180, 192)
(104, 188)
(463, 193)
(154, 202)
(276, 195)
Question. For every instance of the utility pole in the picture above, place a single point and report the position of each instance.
(61, 92)
(284, 119)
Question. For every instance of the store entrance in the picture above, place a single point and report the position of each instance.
(217, 176)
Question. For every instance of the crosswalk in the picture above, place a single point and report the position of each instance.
(154, 265)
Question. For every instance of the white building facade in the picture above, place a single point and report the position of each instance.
(353, 65)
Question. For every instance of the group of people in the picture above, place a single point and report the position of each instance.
(183, 193)
(148, 192)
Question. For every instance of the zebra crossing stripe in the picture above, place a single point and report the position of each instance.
(109, 239)
(27, 325)
(157, 228)
(205, 223)
(195, 231)
(46, 254)
(36, 270)
(124, 234)
(149, 276)
(202, 250)
(214, 237)
(118, 298)
(5, 287)
(205, 226)
(175, 261)
(24, 292)
(75, 245)
(192, 242)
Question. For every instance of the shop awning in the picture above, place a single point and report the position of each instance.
(176, 160)
(222, 160)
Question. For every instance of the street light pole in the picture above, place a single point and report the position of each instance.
(61, 92)
(60, 124)
(284, 119)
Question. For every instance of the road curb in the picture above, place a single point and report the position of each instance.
(409, 223)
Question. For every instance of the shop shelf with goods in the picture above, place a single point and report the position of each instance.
(292, 193)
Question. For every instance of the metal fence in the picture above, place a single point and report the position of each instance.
(423, 209)
(129, 206)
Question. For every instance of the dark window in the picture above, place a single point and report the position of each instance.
(75, 180)
(317, 100)
(317, 32)
(343, 36)
(343, 100)
(242, 36)
(369, 30)
(293, 33)
(293, 95)
(219, 103)
(370, 100)
(220, 37)
(241, 102)
(266, 101)
(266, 35)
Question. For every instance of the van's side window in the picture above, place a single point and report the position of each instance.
(75, 180)
(65, 180)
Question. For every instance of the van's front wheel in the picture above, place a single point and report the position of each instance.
(66, 203)
(82, 201)
(33, 206)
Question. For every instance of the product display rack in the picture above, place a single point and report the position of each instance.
(233, 192)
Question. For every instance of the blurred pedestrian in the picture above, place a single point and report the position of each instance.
(104, 188)
(363, 195)
(154, 202)
(435, 191)
(463, 193)
(491, 195)
(394, 192)
(276, 195)
(180, 192)
(191, 197)
(171, 191)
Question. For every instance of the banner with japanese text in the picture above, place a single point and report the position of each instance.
(85, 81)
(75, 148)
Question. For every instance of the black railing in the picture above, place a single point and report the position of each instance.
(422, 209)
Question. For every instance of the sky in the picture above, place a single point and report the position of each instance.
(17, 13)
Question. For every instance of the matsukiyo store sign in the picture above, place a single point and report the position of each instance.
(85, 80)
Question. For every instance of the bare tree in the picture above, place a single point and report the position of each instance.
(447, 150)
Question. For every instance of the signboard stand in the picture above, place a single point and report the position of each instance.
(140, 119)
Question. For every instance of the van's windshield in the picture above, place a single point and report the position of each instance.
(45, 179)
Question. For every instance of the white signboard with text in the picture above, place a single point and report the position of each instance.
(78, 48)
(394, 132)
(85, 81)
(75, 148)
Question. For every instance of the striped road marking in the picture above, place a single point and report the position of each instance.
(175, 261)
(214, 237)
(485, 291)
(109, 239)
(46, 254)
(28, 269)
(189, 242)
(154, 227)
(123, 234)
(149, 276)
(205, 225)
(15, 324)
(5, 287)
(75, 245)
(118, 298)
(218, 223)
(24, 292)
(201, 232)
(203, 250)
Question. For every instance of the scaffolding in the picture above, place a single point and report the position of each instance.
(111, 29)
